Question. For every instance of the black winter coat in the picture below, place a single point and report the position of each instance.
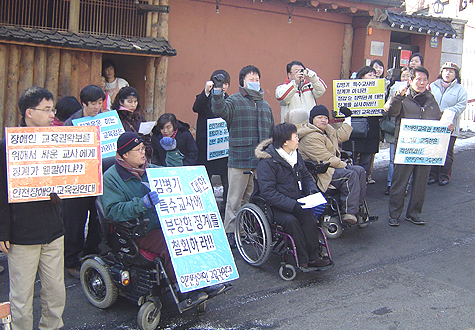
(202, 107)
(28, 223)
(184, 142)
(278, 182)
(370, 144)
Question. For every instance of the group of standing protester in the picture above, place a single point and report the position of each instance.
(56, 238)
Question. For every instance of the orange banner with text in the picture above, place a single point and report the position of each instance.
(65, 160)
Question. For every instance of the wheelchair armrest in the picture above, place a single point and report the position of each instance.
(134, 228)
(316, 167)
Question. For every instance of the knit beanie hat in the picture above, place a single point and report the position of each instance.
(127, 141)
(318, 110)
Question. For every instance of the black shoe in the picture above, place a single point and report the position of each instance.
(418, 221)
(431, 181)
(319, 263)
(443, 182)
(387, 190)
(393, 222)
(231, 240)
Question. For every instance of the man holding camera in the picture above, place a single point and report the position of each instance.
(298, 95)
(250, 121)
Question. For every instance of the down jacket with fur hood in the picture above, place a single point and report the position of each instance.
(278, 182)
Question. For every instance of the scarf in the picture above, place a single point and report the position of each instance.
(135, 171)
(289, 158)
(255, 95)
(420, 98)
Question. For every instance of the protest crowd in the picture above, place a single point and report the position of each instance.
(49, 237)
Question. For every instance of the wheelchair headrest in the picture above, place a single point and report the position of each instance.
(107, 162)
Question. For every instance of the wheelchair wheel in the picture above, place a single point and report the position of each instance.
(332, 228)
(287, 272)
(253, 235)
(148, 316)
(97, 284)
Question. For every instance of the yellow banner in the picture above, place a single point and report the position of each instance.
(364, 97)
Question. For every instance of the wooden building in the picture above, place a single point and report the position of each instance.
(60, 45)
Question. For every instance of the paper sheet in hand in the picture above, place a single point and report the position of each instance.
(447, 116)
(312, 200)
(146, 127)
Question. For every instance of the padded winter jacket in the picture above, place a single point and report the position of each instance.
(122, 198)
(280, 184)
(318, 145)
(454, 98)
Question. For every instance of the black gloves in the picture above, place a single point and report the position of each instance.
(218, 80)
(347, 112)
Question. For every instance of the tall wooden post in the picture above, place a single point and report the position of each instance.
(347, 51)
(39, 72)
(12, 86)
(74, 6)
(161, 73)
(3, 85)
(52, 71)
(149, 88)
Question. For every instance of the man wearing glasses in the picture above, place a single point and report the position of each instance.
(76, 211)
(32, 234)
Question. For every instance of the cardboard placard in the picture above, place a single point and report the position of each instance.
(422, 142)
(61, 159)
(364, 97)
(111, 129)
(218, 139)
(192, 227)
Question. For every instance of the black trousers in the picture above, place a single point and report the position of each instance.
(441, 173)
(304, 232)
(75, 215)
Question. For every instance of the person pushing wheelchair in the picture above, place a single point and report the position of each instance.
(319, 142)
(282, 179)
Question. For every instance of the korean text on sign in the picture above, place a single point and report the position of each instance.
(192, 226)
(364, 97)
(111, 129)
(44, 160)
(422, 142)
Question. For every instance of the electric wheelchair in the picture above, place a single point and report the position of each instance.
(257, 235)
(331, 219)
(124, 269)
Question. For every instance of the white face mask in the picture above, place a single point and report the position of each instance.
(253, 85)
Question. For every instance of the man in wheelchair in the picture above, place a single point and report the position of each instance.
(282, 178)
(319, 142)
(127, 196)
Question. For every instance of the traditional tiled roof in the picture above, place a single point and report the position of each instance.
(136, 45)
(436, 26)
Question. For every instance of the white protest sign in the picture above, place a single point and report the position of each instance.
(192, 227)
(218, 138)
(364, 97)
(111, 129)
(422, 142)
